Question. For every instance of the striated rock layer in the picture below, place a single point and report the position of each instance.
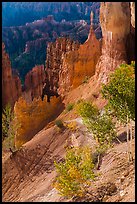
(11, 85)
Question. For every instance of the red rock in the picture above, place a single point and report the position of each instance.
(79, 64)
(11, 85)
(34, 82)
(68, 63)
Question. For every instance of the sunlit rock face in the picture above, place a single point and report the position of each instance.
(11, 85)
(68, 63)
(115, 22)
(132, 5)
(79, 64)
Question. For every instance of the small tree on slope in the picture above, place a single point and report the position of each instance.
(120, 92)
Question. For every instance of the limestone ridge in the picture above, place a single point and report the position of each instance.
(11, 85)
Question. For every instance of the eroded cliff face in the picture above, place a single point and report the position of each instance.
(34, 82)
(115, 23)
(11, 85)
(78, 66)
(68, 63)
(54, 63)
(132, 5)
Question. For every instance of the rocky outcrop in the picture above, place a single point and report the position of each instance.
(80, 64)
(11, 85)
(115, 24)
(34, 82)
(132, 5)
(54, 62)
(69, 63)
(131, 37)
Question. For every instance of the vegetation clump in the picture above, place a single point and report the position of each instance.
(75, 172)
(10, 126)
(59, 124)
(70, 107)
(120, 92)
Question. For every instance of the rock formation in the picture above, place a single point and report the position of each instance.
(131, 37)
(80, 64)
(54, 62)
(11, 85)
(27, 44)
(115, 24)
(34, 82)
(69, 63)
(132, 5)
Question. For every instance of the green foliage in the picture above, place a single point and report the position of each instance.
(75, 172)
(103, 129)
(87, 110)
(120, 92)
(70, 107)
(101, 126)
(9, 128)
(7, 117)
(59, 124)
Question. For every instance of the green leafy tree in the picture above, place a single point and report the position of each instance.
(9, 128)
(74, 173)
(103, 129)
(120, 92)
(101, 126)
(87, 110)
(7, 117)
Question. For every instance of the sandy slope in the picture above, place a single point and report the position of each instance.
(28, 175)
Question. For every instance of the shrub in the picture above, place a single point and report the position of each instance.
(7, 117)
(10, 125)
(69, 107)
(75, 172)
(101, 126)
(87, 110)
(103, 129)
(59, 123)
(86, 79)
(72, 125)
